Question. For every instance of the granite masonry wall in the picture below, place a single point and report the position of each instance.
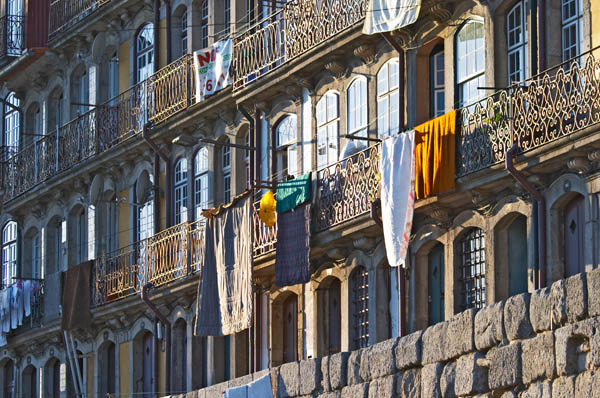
(540, 345)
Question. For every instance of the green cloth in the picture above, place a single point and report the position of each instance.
(293, 193)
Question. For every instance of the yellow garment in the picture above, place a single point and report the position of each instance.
(435, 157)
(266, 212)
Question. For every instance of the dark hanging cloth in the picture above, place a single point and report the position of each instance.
(77, 297)
(224, 304)
(292, 256)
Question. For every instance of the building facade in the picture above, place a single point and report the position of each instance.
(107, 156)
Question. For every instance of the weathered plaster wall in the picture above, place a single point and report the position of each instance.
(545, 344)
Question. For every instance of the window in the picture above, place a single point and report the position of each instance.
(388, 99)
(435, 284)
(247, 159)
(9, 253)
(14, 27)
(360, 310)
(470, 62)
(181, 191)
(226, 163)
(516, 29)
(357, 108)
(204, 23)
(113, 78)
(328, 121)
(12, 124)
(574, 236)
(472, 262)
(145, 216)
(36, 257)
(226, 17)
(329, 316)
(81, 225)
(144, 52)
(287, 150)
(184, 33)
(249, 11)
(91, 224)
(436, 62)
(82, 92)
(201, 181)
(572, 28)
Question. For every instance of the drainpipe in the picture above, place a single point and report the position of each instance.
(167, 161)
(156, 35)
(163, 319)
(541, 35)
(253, 163)
(169, 33)
(510, 155)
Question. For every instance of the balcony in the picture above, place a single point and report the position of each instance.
(65, 13)
(292, 31)
(34, 320)
(12, 35)
(152, 101)
(170, 255)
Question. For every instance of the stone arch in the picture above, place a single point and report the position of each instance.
(106, 364)
(52, 377)
(77, 235)
(286, 325)
(29, 381)
(8, 369)
(142, 356)
(328, 330)
(179, 354)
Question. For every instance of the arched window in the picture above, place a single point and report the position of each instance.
(329, 316)
(145, 214)
(226, 17)
(15, 42)
(77, 231)
(247, 159)
(204, 23)
(79, 91)
(517, 38)
(107, 373)
(574, 235)
(56, 109)
(9, 253)
(435, 284)
(470, 62)
(144, 52)
(517, 256)
(29, 381)
(388, 99)
(287, 148)
(32, 255)
(180, 368)
(143, 366)
(357, 108)
(226, 169)
(184, 33)
(472, 264)
(12, 124)
(8, 378)
(572, 28)
(290, 329)
(201, 189)
(51, 383)
(360, 307)
(436, 64)
(328, 125)
(181, 191)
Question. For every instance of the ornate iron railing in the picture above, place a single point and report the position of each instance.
(297, 28)
(169, 255)
(265, 238)
(346, 189)
(12, 35)
(64, 13)
(544, 108)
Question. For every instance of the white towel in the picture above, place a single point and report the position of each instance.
(237, 392)
(19, 303)
(389, 15)
(14, 322)
(397, 194)
(27, 297)
(261, 388)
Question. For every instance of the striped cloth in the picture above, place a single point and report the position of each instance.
(292, 258)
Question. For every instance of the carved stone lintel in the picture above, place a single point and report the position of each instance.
(336, 253)
(579, 164)
(294, 91)
(441, 11)
(306, 82)
(227, 115)
(594, 156)
(404, 36)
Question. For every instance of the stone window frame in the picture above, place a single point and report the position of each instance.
(276, 300)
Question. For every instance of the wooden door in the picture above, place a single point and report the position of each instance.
(435, 281)
(517, 256)
(335, 317)
(290, 329)
(110, 369)
(574, 230)
(9, 379)
(148, 360)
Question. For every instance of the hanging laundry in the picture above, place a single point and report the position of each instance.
(435, 142)
(293, 193)
(27, 297)
(397, 165)
(266, 212)
(77, 297)
(5, 299)
(20, 308)
(258, 388)
(224, 304)
(390, 15)
(14, 322)
(292, 255)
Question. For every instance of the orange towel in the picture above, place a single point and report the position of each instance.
(435, 162)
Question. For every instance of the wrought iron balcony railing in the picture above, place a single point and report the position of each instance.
(172, 254)
(295, 29)
(264, 238)
(65, 13)
(542, 109)
(12, 35)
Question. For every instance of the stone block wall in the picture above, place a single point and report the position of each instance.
(544, 344)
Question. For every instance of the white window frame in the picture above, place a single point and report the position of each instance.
(184, 33)
(469, 81)
(438, 87)
(204, 23)
(328, 129)
(357, 109)
(571, 22)
(144, 52)
(226, 17)
(145, 216)
(12, 125)
(36, 256)
(226, 168)
(201, 182)
(517, 38)
(9, 253)
(286, 134)
(388, 99)
(180, 191)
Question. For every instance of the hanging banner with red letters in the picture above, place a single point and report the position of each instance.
(211, 66)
